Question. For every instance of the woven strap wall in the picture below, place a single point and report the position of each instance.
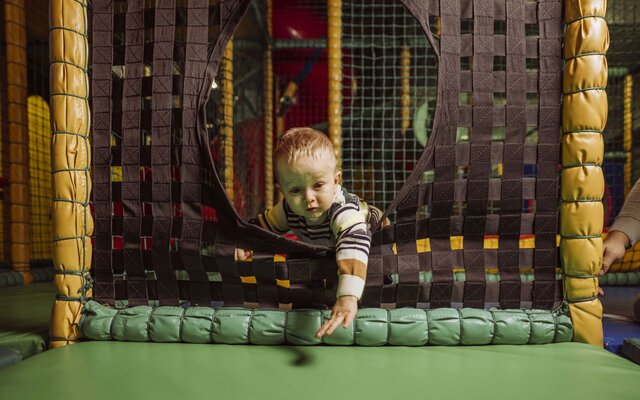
(162, 214)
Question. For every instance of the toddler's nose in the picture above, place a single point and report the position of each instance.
(309, 198)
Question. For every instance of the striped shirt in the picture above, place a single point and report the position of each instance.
(346, 227)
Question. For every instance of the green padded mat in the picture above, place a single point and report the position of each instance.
(25, 312)
(115, 370)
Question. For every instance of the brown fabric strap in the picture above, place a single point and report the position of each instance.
(162, 116)
(131, 138)
(102, 93)
(545, 288)
(193, 66)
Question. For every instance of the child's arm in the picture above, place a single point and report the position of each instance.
(353, 240)
(273, 219)
(350, 288)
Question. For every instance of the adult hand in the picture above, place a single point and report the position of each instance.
(343, 312)
(614, 248)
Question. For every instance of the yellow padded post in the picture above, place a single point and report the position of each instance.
(226, 72)
(268, 112)
(584, 111)
(405, 96)
(18, 138)
(628, 131)
(334, 57)
(70, 120)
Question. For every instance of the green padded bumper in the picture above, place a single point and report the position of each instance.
(25, 313)
(372, 327)
(13, 278)
(631, 278)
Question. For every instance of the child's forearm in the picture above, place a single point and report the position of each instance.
(352, 274)
(352, 266)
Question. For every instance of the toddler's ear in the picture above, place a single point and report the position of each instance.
(278, 187)
(338, 177)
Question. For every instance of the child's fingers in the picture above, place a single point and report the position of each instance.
(334, 323)
(330, 325)
(243, 255)
(323, 329)
(348, 319)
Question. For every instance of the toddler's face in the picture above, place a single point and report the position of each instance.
(308, 184)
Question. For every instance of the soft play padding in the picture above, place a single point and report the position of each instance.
(13, 278)
(616, 330)
(372, 326)
(627, 278)
(631, 349)
(10, 278)
(114, 370)
(25, 312)
(9, 356)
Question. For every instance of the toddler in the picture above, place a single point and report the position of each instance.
(319, 211)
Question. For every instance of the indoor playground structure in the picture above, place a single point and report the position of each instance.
(498, 137)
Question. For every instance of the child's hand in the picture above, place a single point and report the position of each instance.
(242, 254)
(344, 311)
(614, 248)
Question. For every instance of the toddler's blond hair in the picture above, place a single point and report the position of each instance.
(298, 143)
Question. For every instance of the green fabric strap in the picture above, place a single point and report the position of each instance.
(372, 327)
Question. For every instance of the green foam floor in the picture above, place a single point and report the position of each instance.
(116, 370)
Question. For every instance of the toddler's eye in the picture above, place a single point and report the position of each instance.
(318, 185)
(294, 191)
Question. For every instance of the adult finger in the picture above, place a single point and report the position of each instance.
(607, 259)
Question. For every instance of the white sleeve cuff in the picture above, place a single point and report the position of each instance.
(350, 285)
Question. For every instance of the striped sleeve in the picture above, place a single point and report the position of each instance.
(275, 219)
(353, 238)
